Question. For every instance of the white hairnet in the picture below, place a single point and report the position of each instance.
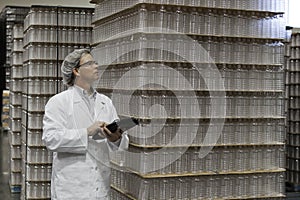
(71, 61)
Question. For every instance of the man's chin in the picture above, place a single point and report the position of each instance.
(96, 79)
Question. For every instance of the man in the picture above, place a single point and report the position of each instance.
(72, 121)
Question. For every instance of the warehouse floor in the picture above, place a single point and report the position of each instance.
(293, 196)
(5, 193)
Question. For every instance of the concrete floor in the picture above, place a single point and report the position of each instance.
(293, 196)
(5, 193)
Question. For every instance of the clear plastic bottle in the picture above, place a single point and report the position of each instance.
(164, 192)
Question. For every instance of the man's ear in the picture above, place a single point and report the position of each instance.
(76, 72)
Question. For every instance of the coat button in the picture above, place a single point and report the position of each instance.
(97, 189)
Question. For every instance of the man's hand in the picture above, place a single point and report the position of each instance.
(95, 128)
(112, 137)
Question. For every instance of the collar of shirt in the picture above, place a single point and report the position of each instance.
(84, 93)
(88, 99)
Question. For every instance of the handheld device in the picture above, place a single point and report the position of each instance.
(123, 124)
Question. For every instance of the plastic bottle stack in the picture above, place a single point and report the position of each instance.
(153, 72)
(11, 15)
(5, 110)
(50, 33)
(293, 113)
(15, 108)
(14, 17)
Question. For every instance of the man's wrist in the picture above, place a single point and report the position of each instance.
(89, 132)
(118, 141)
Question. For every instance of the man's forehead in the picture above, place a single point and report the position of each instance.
(86, 57)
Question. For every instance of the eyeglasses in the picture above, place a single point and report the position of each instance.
(88, 63)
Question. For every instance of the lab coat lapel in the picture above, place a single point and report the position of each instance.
(80, 106)
(100, 104)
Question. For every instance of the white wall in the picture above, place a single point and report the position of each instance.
(71, 3)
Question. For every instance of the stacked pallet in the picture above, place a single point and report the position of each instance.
(5, 110)
(205, 78)
(39, 45)
(50, 33)
(11, 15)
(16, 107)
(293, 113)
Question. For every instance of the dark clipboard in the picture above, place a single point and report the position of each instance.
(124, 124)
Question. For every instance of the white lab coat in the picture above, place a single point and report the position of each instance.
(80, 168)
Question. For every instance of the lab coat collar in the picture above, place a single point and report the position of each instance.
(100, 102)
(84, 92)
(78, 103)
